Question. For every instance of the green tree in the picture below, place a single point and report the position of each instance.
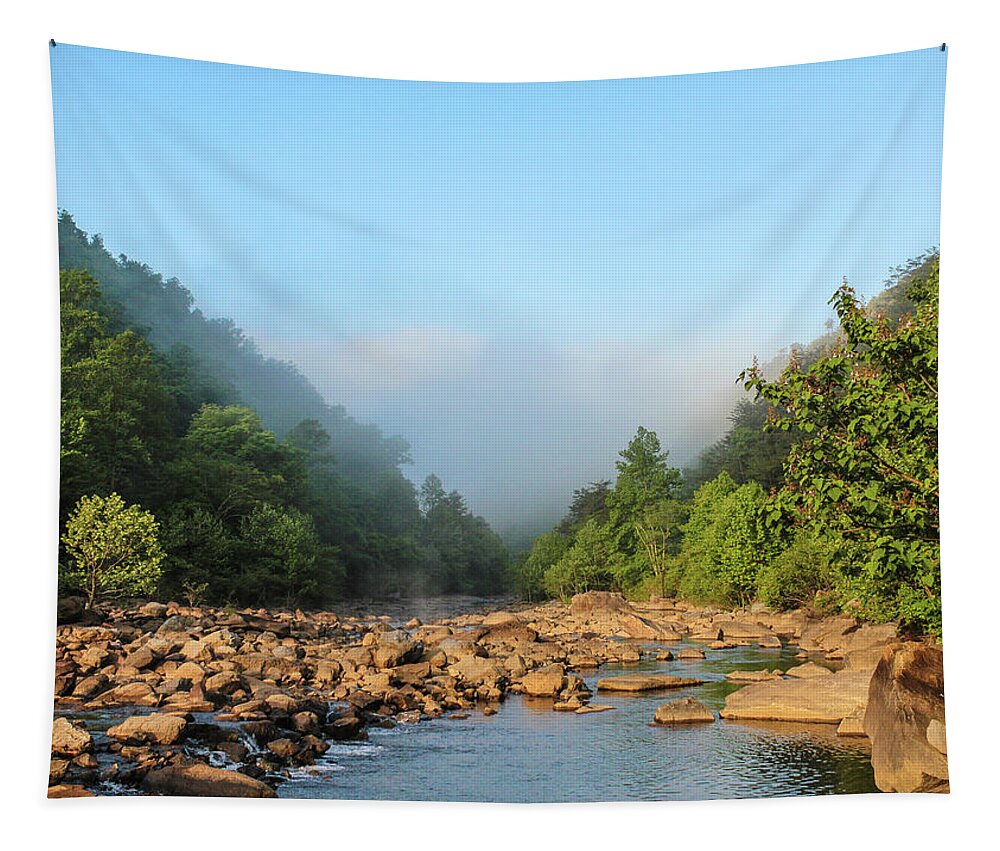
(530, 573)
(113, 548)
(796, 575)
(115, 417)
(587, 565)
(643, 479)
(659, 533)
(282, 557)
(588, 501)
(726, 542)
(866, 470)
(228, 463)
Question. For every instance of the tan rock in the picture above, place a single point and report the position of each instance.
(158, 729)
(69, 740)
(826, 700)
(936, 736)
(752, 676)
(684, 711)
(545, 682)
(476, 670)
(593, 707)
(690, 653)
(853, 723)
(808, 671)
(645, 682)
(598, 600)
(497, 618)
(906, 695)
(202, 780)
(64, 790)
(190, 671)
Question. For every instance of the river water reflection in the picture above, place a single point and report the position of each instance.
(528, 753)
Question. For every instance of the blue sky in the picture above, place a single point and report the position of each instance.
(512, 276)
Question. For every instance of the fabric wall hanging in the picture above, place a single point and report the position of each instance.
(562, 441)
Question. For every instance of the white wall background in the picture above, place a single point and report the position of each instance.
(510, 40)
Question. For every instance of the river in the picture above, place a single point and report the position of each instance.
(528, 753)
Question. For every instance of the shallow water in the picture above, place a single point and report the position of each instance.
(528, 753)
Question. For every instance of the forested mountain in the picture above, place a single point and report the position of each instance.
(823, 492)
(748, 452)
(262, 492)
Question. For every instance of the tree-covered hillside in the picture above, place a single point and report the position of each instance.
(259, 491)
(823, 492)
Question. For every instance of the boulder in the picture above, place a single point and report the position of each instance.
(853, 723)
(474, 670)
(808, 671)
(545, 682)
(604, 601)
(153, 610)
(826, 700)
(645, 682)
(687, 710)
(141, 657)
(69, 790)
(732, 630)
(138, 693)
(157, 729)
(905, 719)
(202, 780)
(510, 632)
(691, 653)
(69, 740)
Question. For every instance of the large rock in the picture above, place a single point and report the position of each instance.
(808, 671)
(474, 670)
(905, 720)
(68, 740)
(753, 676)
(204, 781)
(645, 682)
(825, 700)
(545, 682)
(603, 601)
(69, 790)
(687, 710)
(157, 729)
(395, 647)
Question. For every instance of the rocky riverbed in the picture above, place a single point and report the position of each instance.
(175, 700)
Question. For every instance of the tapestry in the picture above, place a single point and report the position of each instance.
(504, 442)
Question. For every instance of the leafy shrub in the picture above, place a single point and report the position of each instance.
(794, 577)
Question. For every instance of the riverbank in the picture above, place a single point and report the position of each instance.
(215, 702)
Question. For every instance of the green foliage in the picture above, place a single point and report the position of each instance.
(866, 470)
(659, 532)
(282, 557)
(587, 565)
(726, 543)
(115, 411)
(644, 479)
(183, 414)
(794, 577)
(747, 452)
(113, 549)
(529, 572)
(588, 502)
(460, 551)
